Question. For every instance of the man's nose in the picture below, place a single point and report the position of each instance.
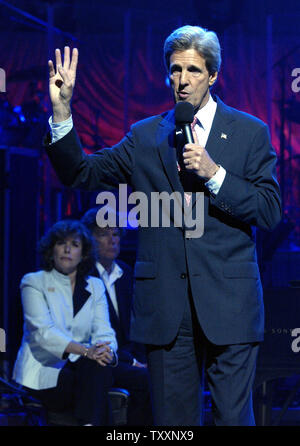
(184, 78)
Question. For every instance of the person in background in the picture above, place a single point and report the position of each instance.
(131, 372)
(68, 342)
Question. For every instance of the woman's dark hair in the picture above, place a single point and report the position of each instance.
(59, 232)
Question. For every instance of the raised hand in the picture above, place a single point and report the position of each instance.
(197, 160)
(62, 82)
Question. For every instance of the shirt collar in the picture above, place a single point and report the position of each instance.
(115, 274)
(206, 114)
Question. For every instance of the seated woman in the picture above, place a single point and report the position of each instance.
(67, 341)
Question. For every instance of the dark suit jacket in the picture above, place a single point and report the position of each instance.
(221, 266)
(127, 350)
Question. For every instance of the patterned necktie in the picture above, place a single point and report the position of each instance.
(195, 121)
(188, 196)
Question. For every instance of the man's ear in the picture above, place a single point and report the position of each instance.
(213, 78)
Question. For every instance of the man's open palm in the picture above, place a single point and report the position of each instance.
(62, 81)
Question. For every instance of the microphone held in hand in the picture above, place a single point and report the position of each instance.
(184, 116)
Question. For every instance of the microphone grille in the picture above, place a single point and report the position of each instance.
(184, 112)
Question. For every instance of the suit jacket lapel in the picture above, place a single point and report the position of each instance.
(167, 151)
(121, 303)
(81, 294)
(114, 319)
(221, 131)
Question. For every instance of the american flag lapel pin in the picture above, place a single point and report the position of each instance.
(223, 135)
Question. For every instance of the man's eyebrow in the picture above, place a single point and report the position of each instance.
(175, 66)
(191, 67)
(194, 67)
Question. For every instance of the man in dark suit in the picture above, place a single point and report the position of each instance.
(198, 301)
(131, 372)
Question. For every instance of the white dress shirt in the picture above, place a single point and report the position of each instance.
(109, 281)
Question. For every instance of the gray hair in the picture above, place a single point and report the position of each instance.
(205, 42)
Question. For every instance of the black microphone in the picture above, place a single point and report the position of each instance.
(184, 116)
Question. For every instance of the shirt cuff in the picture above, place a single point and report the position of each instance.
(60, 129)
(215, 183)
